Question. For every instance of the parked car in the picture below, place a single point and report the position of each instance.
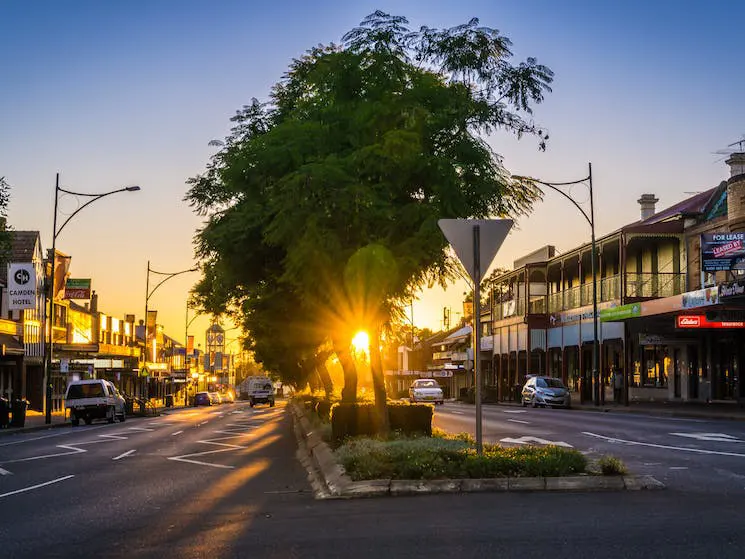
(94, 399)
(426, 390)
(202, 399)
(215, 398)
(545, 392)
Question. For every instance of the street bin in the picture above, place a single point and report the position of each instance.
(4, 413)
(169, 400)
(19, 412)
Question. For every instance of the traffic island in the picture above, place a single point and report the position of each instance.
(330, 480)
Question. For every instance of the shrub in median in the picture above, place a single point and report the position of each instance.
(353, 420)
(441, 458)
(611, 466)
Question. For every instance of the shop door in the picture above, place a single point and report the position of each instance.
(676, 372)
(692, 372)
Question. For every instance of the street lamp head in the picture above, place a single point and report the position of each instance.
(132, 188)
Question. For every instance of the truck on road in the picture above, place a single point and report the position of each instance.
(257, 390)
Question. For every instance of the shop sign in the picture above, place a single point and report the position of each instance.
(734, 289)
(78, 288)
(621, 312)
(700, 321)
(21, 286)
(701, 298)
(721, 252)
(657, 339)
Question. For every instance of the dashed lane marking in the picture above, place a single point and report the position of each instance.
(140, 429)
(665, 446)
(35, 486)
(519, 421)
(5, 472)
(128, 453)
(176, 433)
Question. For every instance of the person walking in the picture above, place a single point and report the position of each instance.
(617, 385)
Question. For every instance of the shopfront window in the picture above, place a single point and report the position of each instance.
(653, 371)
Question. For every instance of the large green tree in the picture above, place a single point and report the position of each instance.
(364, 144)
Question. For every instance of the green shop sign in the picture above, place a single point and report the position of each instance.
(622, 312)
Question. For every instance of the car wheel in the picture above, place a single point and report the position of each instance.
(75, 421)
(88, 420)
(535, 403)
(111, 415)
(123, 418)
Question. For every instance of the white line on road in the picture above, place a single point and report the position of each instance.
(176, 433)
(668, 447)
(5, 472)
(534, 440)
(35, 486)
(140, 429)
(457, 412)
(124, 455)
(519, 421)
(678, 467)
(514, 411)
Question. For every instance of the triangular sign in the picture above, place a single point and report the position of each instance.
(459, 233)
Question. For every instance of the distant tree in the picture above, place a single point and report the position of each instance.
(361, 149)
(5, 229)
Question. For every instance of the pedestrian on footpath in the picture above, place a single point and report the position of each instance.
(617, 385)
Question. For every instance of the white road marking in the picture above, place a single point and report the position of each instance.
(140, 429)
(534, 440)
(457, 412)
(35, 486)
(5, 472)
(668, 447)
(176, 433)
(124, 455)
(519, 421)
(716, 437)
(678, 467)
(514, 411)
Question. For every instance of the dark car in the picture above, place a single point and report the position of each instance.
(545, 392)
(202, 399)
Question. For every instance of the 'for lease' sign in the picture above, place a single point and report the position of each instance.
(21, 286)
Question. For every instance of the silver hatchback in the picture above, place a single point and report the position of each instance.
(545, 392)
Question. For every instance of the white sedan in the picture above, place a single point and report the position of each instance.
(426, 390)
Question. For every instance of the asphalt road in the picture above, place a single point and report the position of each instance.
(704, 456)
(224, 482)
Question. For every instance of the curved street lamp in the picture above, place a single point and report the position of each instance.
(50, 317)
(591, 220)
(149, 293)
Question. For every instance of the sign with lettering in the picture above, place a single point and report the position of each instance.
(701, 298)
(700, 321)
(21, 286)
(722, 251)
(734, 289)
(77, 288)
(622, 312)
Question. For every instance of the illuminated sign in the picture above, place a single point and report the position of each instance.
(700, 321)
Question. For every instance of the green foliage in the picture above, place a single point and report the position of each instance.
(444, 457)
(357, 419)
(612, 466)
(361, 145)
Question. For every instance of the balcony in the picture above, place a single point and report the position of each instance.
(610, 288)
(654, 285)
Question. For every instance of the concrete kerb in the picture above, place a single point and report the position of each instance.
(337, 484)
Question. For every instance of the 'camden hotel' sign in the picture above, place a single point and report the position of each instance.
(21, 286)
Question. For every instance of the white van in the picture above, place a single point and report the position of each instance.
(94, 399)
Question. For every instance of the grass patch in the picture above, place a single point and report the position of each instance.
(450, 457)
(612, 466)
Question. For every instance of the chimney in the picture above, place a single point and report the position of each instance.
(736, 164)
(647, 202)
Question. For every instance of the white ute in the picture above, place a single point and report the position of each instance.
(94, 399)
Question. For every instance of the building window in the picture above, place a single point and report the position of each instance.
(653, 370)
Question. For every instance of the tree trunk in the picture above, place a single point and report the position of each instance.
(325, 377)
(349, 392)
(376, 368)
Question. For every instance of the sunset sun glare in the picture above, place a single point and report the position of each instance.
(361, 342)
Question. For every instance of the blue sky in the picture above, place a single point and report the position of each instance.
(114, 93)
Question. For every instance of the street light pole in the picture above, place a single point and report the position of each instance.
(149, 293)
(597, 391)
(50, 308)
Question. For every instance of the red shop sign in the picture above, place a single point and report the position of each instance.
(699, 321)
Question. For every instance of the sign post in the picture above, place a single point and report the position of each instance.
(476, 242)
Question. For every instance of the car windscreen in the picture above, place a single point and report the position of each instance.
(77, 391)
(425, 384)
(549, 383)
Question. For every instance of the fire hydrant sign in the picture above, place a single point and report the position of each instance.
(21, 286)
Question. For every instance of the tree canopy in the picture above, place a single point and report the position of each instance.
(341, 176)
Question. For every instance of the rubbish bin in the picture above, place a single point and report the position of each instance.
(4, 413)
(169, 400)
(19, 413)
